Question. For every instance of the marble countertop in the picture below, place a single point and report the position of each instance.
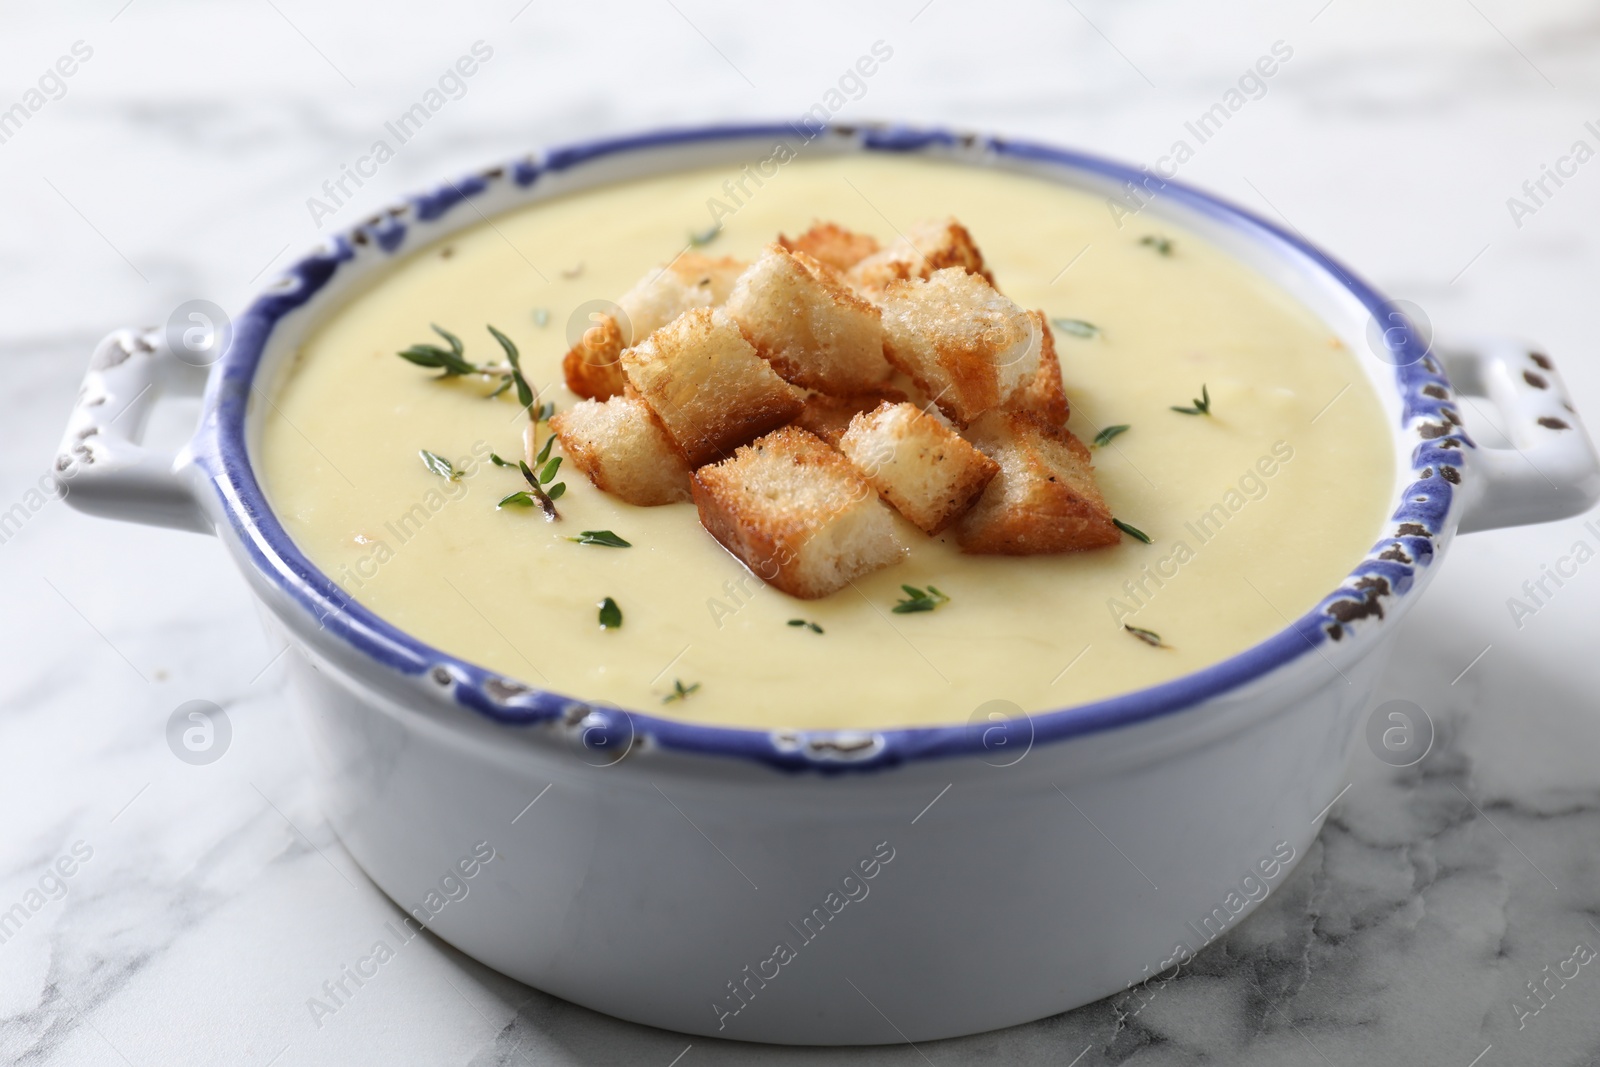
(205, 904)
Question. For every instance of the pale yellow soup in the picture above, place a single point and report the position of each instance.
(1257, 510)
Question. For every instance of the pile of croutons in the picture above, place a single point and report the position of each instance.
(799, 398)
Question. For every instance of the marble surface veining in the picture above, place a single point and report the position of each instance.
(176, 163)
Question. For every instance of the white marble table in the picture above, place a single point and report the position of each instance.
(177, 163)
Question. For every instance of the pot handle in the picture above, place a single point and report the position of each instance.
(1551, 470)
(101, 467)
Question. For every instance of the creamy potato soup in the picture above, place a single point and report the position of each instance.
(1256, 509)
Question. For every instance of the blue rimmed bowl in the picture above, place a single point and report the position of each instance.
(826, 888)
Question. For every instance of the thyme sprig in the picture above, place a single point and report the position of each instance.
(604, 538)
(1076, 327)
(1202, 406)
(1149, 637)
(919, 600)
(437, 464)
(1162, 245)
(1132, 531)
(680, 691)
(1105, 436)
(807, 623)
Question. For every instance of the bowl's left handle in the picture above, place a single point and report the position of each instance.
(101, 467)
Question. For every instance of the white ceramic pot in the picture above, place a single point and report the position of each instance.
(827, 888)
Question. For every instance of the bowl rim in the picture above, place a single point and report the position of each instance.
(1423, 514)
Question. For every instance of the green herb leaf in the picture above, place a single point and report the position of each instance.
(498, 462)
(1162, 245)
(455, 342)
(813, 627)
(679, 691)
(1132, 531)
(1104, 436)
(706, 236)
(1201, 406)
(555, 492)
(433, 356)
(544, 453)
(545, 500)
(543, 413)
(548, 472)
(541, 317)
(520, 499)
(524, 392)
(1149, 637)
(438, 464)
(919, 600)
(610, 614)
(1076, 327)
(600, 537)
(502, 387)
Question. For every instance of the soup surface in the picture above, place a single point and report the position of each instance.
(1256, 510)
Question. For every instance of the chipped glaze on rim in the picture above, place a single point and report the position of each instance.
(1438, 464)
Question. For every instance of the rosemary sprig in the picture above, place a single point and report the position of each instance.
(610, 614)
(1201, 406)
(919, 600)
(1132, 531)
(1104, 436)
(813, 627)
(1149, 637)
(679, 691)
(437, 464)
(1162, 245)
(1076, 327)
(605, 538)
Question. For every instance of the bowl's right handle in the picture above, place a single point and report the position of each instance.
(101, 467)
(1551, 471)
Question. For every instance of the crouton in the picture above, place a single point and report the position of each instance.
(922, 467)
(812, 328)
(707, 385)
(797, 514)
(834, 245)
(622, 448)
(690, 281)
(591, 366)
(926, 247)
(829, 416)
(1043, 500)
(961, 342)
(1045, 396)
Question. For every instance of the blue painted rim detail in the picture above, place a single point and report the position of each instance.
(1383, 576)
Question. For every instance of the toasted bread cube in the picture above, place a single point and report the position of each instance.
(622, 448)
(927, 247)
(1043, 500)
(924, 468)
(829, 416)
(590, 366)
(797, 514)
(834, 245)
(690, 281)
(960, 341)
(810, 325)
(1045, 396)
(707, 385)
